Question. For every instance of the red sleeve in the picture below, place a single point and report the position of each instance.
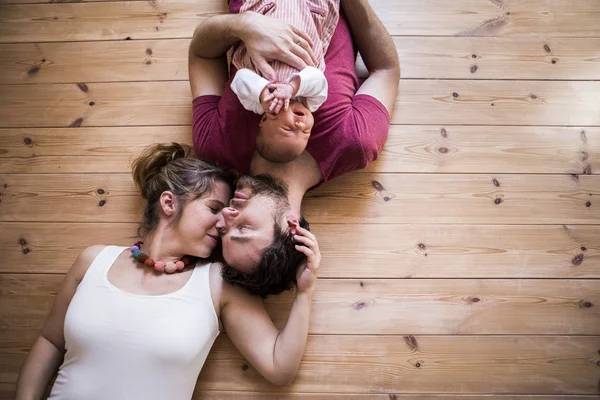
(223, 132)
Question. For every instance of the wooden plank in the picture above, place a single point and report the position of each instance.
(104, 20)
(387, 306)
(421, 57)
(130, 60)
(66, 150)
(387, 365)
(227, 395)
(373, 251)
(497, 102)
(351, 364)
(414, 148)
(487, 149)
(355, 198)
(177, 19)
(506, 199)
(456, 102)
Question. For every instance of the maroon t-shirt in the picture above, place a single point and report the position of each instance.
(349, 131)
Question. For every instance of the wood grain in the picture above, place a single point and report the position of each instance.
(357, 198)
(421, 58)
(373, 251)
(169, 19)
(388, 365)
(414, 148)
(476, 364)
(387, 306)
(66, 150)
(456, 102)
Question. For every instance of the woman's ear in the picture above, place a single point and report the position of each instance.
(168, 203)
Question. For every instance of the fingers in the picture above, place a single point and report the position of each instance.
(269, 97)
(293, 60)
(303, 35)
(265, 68)
(307, 252)
(273, 105)
(305, 232)
(306, 43)
(302, 54)
(286, 104)
(279, 105)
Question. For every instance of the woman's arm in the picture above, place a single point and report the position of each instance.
(266, 39)
(46, 355)
(275, 354)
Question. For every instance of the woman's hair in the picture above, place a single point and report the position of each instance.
(171, 167)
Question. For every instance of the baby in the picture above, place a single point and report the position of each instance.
(286, 105)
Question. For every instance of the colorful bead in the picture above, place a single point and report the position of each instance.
(160, 266)
(170, 268)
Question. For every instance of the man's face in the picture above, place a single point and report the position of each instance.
(248, 223)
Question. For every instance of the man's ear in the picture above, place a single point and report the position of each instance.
(168, 203)
(292, 224)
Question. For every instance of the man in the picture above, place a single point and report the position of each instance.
(350, 129)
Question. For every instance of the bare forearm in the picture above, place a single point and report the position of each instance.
(216, 35)
(372, 39)
(39, 367)
(291, 342)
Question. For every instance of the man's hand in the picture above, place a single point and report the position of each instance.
(308, 272)
(268, 39)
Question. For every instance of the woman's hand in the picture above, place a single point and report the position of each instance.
(269, 39)
(308, 272)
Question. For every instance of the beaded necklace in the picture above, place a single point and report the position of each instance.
(160, 266)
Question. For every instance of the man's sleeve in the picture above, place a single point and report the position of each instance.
(372, 125)
(205, 123)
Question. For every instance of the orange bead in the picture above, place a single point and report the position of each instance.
(149, 262)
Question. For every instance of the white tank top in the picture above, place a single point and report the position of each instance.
(121, 345)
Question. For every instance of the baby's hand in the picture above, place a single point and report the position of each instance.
(281, 93)
(266, 100)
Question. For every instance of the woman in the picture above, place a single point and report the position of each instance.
(128, 329)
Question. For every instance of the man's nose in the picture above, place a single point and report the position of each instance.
(229, 214)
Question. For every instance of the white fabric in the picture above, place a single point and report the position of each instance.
(121, 345)
(313, 87)
(248, 85)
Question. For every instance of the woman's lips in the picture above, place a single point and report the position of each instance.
(214, 239)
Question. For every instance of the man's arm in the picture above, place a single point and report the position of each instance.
(265, 38)
(377, 50)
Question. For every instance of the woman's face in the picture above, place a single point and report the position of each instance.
(196, 229)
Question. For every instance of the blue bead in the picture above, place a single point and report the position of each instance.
(136, 253)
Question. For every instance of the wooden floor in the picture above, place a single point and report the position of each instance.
(466, 261)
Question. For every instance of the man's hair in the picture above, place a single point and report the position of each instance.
(277, 268)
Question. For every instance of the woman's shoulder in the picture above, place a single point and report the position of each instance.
(224, 291)
(84, 260)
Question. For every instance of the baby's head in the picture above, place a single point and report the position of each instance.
(283, 137)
